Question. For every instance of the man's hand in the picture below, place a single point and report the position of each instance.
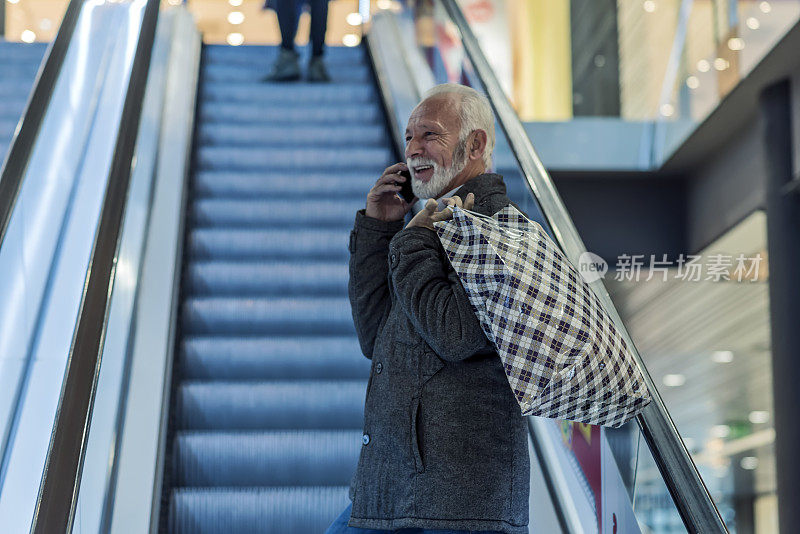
(428, 215)
(383, 200)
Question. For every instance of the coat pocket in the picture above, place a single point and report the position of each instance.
(415, 452)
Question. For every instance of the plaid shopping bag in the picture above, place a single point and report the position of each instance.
(562, 354)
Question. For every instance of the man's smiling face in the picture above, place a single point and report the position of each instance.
(431, 143)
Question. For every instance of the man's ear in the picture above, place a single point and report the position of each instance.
(477, 144)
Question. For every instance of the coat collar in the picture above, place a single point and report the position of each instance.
(482, 186)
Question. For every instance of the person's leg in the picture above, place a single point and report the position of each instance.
(319, 25)
(287, 66)
(287, 22)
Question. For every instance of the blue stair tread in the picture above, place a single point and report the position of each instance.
(234, 134)
(285, 184)
(266, 458)
(267, 278)
(347, 73)
(274, 213)
(316, 114)
(275, 244)
(262, 315)
(301, 93)
(263, 358)
(279, 404)
(284, 510)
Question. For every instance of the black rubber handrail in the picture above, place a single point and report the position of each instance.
(689, 493)
(58, 492)
(19, 153)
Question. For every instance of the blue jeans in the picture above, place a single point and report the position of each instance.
(339, 526)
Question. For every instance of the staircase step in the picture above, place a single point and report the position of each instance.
(287, 278)
(344, 73)
(302, 93)
(286, 510)
(311, 357)
(288, 183)
(300, 244)
(267, 316)
(295, 404)
(320, 115)
(275, 458)
(274, 213)
(290, 136)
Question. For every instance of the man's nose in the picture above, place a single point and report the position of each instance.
(413, 149)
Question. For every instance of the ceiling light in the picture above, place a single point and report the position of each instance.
(351, 39)
(692, 82)
(175, 2)
(749, 462)
(703, 65)
(649, 6)
(45, 24)
(720, 431)
(673, 381)
(13, 1)
(753, 23)
(721, 64)
(722, 356)
(384, 4)
(354, 19)
(736, 43)
(235, 17)
(758, 417)
(235, 39)
(765, 7)
(28, 36)
(235, 3)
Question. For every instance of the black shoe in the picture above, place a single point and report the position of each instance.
(286, 68)
(317, 71)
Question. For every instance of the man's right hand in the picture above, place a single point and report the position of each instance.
(383, 200)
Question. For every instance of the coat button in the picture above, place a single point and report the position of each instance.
(365, 439)
(378, 367)
(393, 258)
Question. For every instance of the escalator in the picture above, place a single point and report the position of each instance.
(270, 379)
(18, 65)
(256, 423)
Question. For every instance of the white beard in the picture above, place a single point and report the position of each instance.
(442, 176)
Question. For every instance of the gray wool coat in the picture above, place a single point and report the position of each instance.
(444, 443)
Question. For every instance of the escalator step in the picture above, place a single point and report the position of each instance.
(284, 510)
(346, 72)
(286, 183)
(274, 213)
(301, 93)
(309, 114)
(273, 244)
(276, 458)
(288, 278)
(296, 404)
(267, 316)
(263, 135)
(311, 357)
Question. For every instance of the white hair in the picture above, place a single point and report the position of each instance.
(475, 114)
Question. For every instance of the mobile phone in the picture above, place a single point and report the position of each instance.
(406, 192)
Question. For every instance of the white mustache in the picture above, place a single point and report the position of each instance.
(416, 162)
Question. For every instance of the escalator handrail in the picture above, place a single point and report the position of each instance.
(58, 491)
(691, 497)
(22, 143)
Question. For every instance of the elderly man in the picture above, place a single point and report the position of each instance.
(444, 443)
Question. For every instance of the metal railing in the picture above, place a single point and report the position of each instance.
(55, 506)
(691, 497)
(22, 143)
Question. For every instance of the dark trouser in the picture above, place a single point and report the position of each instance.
(339, 526)
(287, 20)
